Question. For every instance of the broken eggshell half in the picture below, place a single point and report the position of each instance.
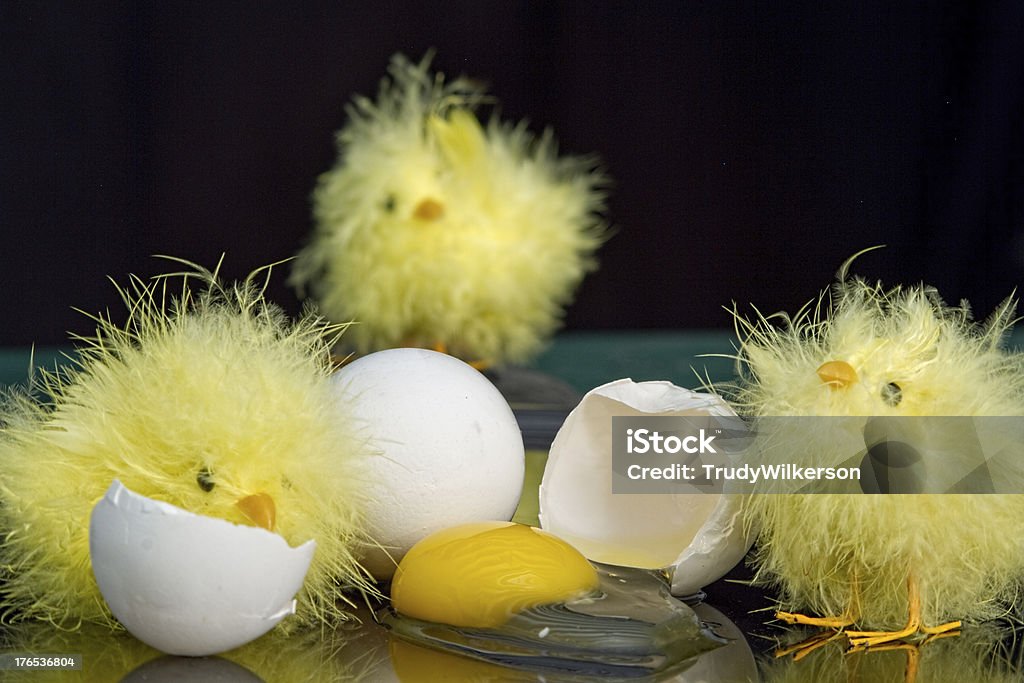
(697, 537)
(187, 584)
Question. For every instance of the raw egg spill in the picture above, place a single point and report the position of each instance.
(487, 572)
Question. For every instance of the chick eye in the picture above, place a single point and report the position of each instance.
(892, 394)
(205, 479)
(389, 203)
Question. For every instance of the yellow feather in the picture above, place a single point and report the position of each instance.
(966, 551)
(434, 229)
(213, 383)
(460, 139)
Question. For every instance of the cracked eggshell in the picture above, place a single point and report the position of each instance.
(698, 537)
(450, 448)
(187, 584)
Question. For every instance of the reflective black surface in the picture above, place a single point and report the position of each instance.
(368, 651)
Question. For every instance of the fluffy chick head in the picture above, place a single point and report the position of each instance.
(868, 350)
(435, 229)
(210, 400)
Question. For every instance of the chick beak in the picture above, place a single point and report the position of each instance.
(428, 210)
(259, 509)
(837, 374)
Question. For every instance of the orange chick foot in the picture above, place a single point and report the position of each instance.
(839, 622)
(480, 365)
(860, 640)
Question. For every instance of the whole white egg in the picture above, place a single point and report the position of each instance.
(450, 447)
(187, 584)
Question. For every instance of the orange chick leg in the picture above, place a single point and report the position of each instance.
(480, 365)
(847, 618)
(843, 620)
(836, 624)
(865, 639)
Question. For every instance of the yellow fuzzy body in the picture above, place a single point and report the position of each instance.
(214, 386)
(433, 229)
(966, 552)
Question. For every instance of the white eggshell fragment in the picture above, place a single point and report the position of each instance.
(450, 447)
(697, 536)
(187, 584)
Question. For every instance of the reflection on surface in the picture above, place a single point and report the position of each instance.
(106, 657)
(363, 652)
(192, 669)
(113, 657)
(411, 663)
(631, 628)
(982, 653)
(734, 663)
(370, 652)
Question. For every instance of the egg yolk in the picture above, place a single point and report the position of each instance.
(480, 574)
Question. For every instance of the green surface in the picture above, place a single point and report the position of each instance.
(16, 363)
(528, 511)
(588, 359)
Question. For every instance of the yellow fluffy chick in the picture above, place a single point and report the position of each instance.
(211, 400)
(900, 565)
(434, 230)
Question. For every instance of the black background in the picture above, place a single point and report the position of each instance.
(754, 145)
